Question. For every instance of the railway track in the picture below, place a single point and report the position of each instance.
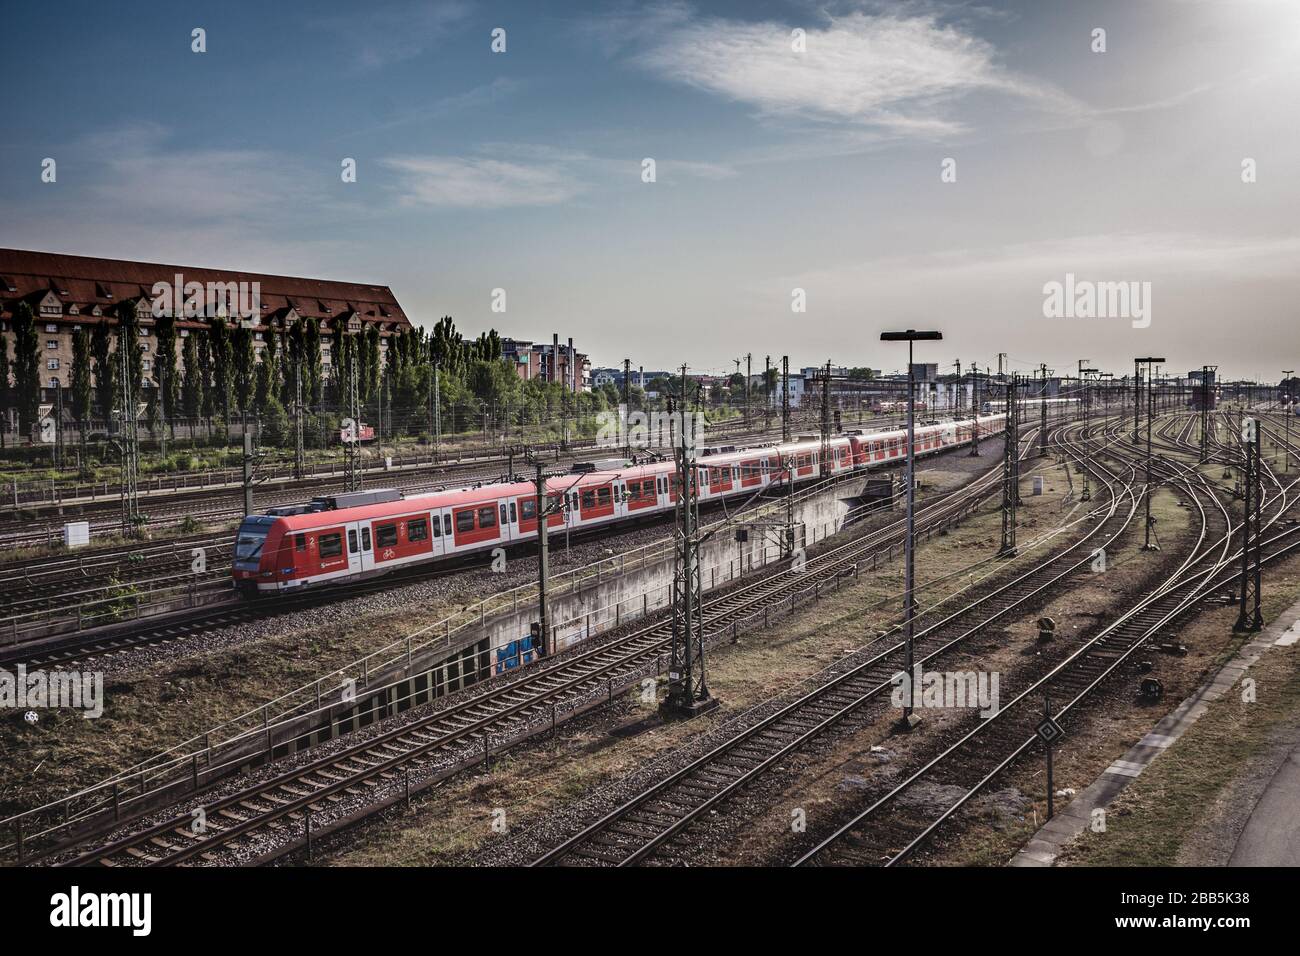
(17, 528)
(891, 829)
(634, 831)
(456, 736)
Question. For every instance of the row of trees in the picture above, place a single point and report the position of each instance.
(219, 380)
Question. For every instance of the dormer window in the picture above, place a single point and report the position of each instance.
(102, 291)
(7, 284)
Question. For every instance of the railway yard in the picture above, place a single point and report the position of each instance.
(383, 721)
(451, 450)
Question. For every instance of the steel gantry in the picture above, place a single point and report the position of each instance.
(352, 436)
(688, 690)
(129, 439)
(1250, 618)
(974, 411)
(1205, 398)
(1010, 467)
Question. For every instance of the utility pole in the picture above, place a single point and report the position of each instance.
(130, 440)
(826, 423)
(1148, 361)
(1137, 395)
(910, 719)
(956, 390)
(544, 511)
(352, 442)
(1250, 618)
(1010, 470)
(627, 406)
(1086, 399)
(249, 460)
(974, 411)
(437, 413)
(767, 392)
(1042, 411)
(749, 373)
(1206, 393)
(58, 427)
(688, 692)
(785, 398)
(1286, 414)
(299, 454)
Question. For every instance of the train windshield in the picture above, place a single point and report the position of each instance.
(248, 546)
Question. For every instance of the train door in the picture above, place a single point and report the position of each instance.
(442, 539)
(365, 548)
(353, 536)
(509, 516)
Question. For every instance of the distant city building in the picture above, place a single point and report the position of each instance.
(925, 371)
(550, 363)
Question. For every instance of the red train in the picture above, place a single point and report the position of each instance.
(346, 537)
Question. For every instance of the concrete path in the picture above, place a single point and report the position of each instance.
(1272, 835)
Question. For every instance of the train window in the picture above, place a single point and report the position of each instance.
(514, 514)
(487, 517)
(352, 542)
(465, 520)
(528, 508)
(386, 535)
(503, 514)
(437, 526)
(588, 500)
(446, 524)
(331, 545)
(300, 542)
(603, 496)
(365, 539)
(417, 529)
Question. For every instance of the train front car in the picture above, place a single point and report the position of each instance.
(252, 559)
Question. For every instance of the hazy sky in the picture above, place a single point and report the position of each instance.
(776, 169)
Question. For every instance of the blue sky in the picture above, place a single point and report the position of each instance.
(776, 169)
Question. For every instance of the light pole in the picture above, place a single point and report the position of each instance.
(1286, 414)
(910, 719)
(1149, 361)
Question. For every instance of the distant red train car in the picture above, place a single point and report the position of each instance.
(347, 537)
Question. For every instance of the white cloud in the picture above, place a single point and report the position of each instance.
(482, 183)
(378, 37)
(897, 73)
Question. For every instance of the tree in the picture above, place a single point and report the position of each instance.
(311, 381)
(268, 372)
(169, 385)
(27, 376)
(193, 388)
(219, 345)
(101, 351)
(4, 385)
(81, 391)
(244, 359)
(370, 370)
(361, 355)
(208, 395)
(128, 339)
